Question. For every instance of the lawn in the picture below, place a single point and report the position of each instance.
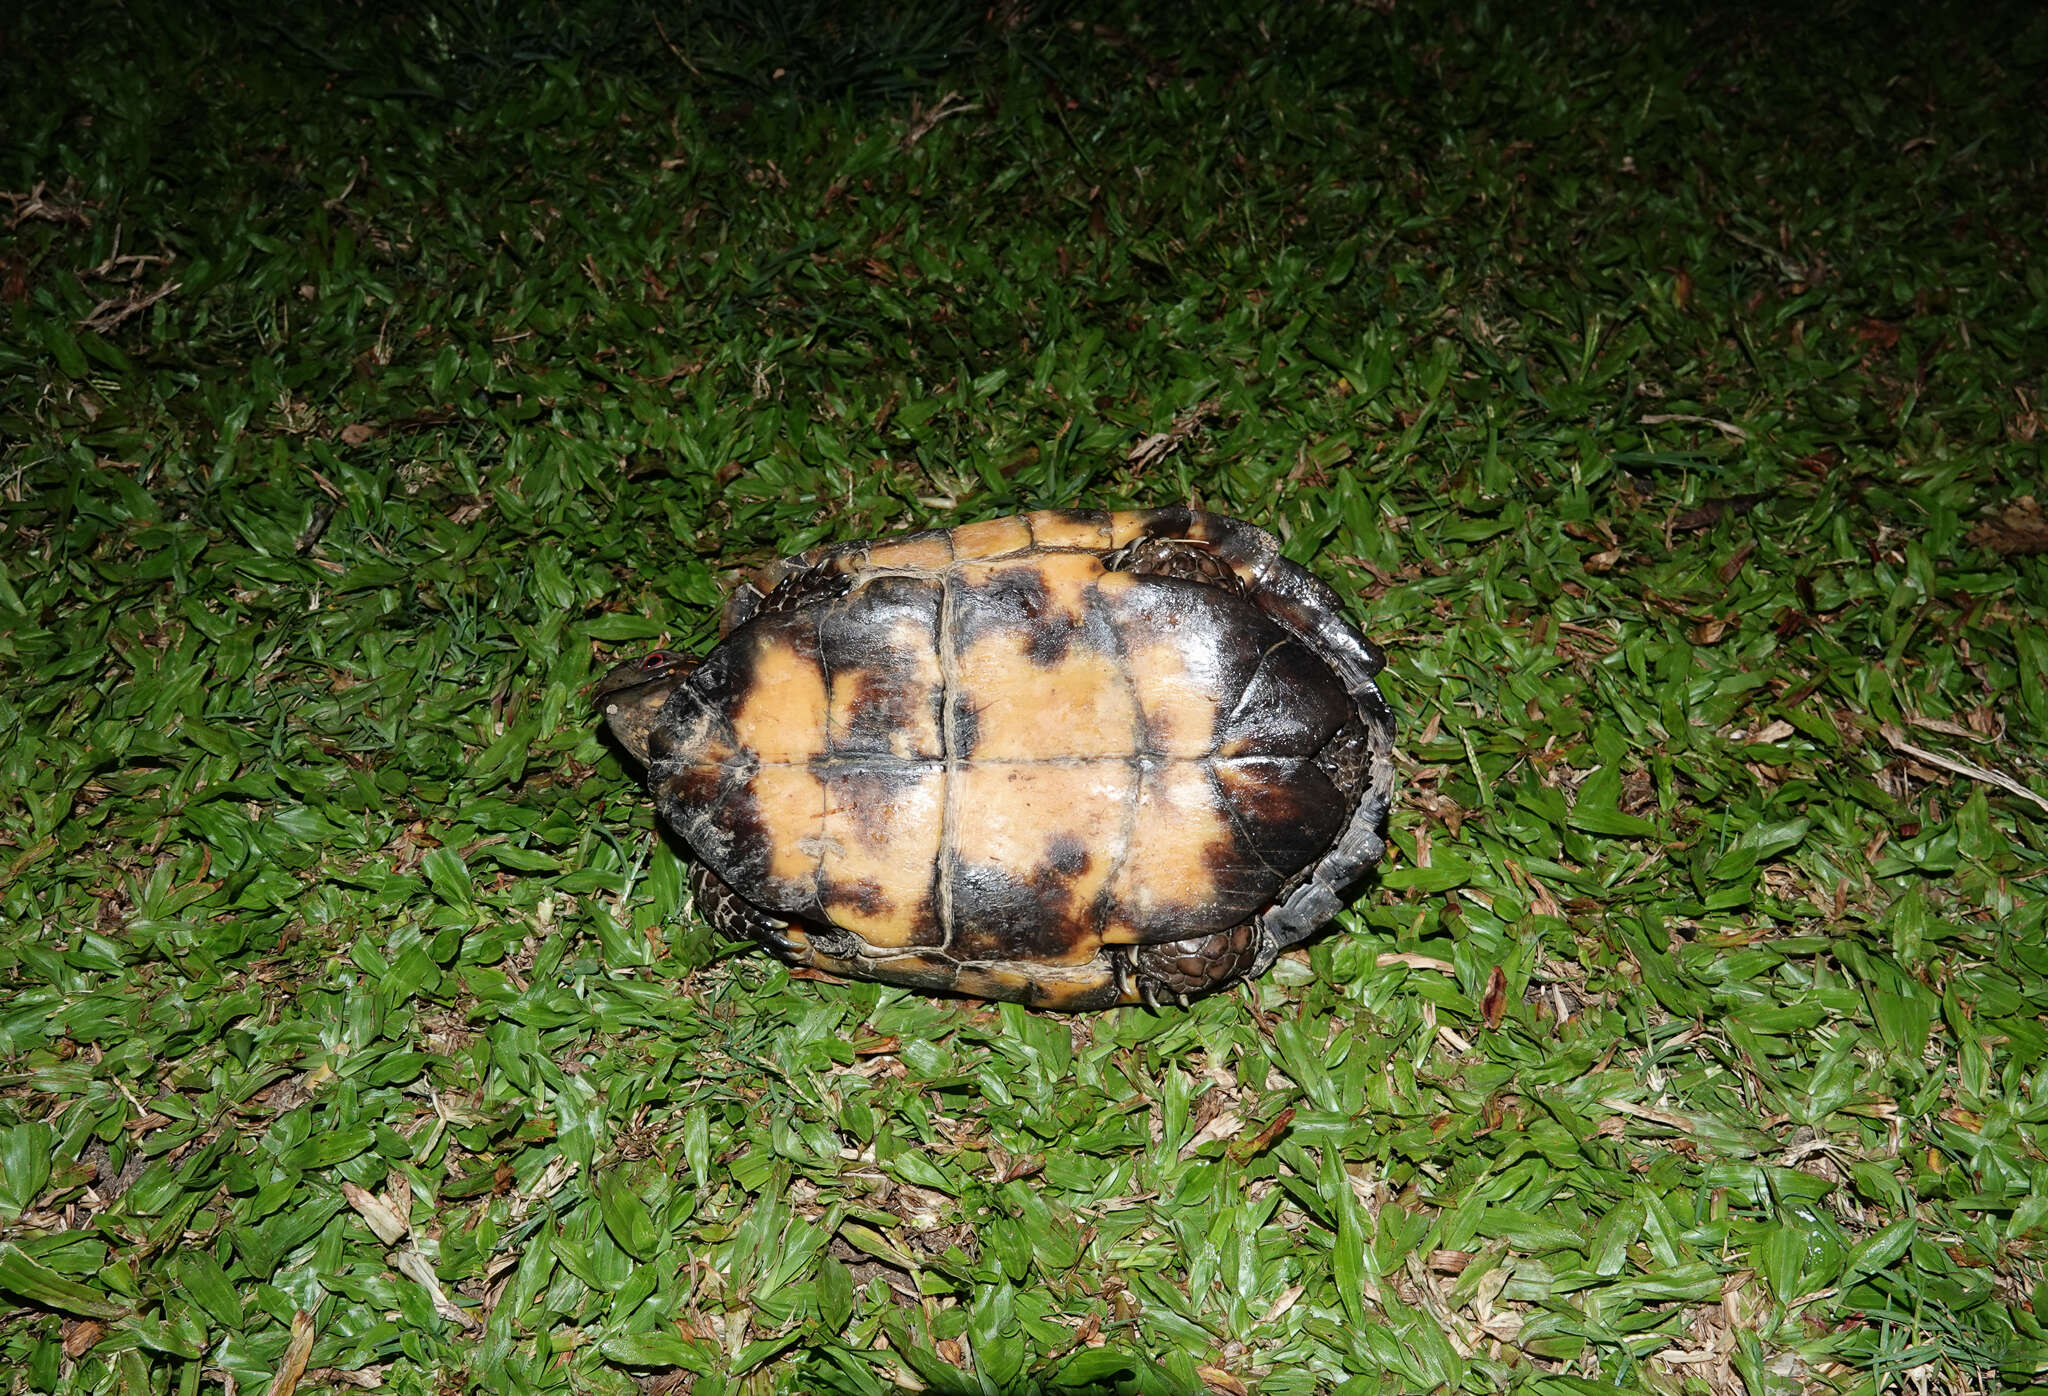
(1663, 389)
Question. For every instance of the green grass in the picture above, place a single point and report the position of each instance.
(369, 382)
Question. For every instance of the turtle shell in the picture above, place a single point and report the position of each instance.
(1009, 758)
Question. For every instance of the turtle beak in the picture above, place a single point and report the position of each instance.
(630, 695)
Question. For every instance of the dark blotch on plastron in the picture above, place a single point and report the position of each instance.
(882, 706)
(966, 728)
(1292, 706)
(864, 895)
(1285, 811)
(1097, 628)
(997, 914)
(689, 787)
(879, 639)
(1066, 857)
(1047, 641)
(1014, 601)
(924, 920)
(715, 811)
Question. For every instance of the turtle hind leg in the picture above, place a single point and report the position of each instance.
(1175, 971)
(1176, 557)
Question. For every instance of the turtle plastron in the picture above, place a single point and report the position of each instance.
(1072, 759)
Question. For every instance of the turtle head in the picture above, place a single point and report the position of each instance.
(630, 695)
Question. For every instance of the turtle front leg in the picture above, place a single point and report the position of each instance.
(1179, 970)
(736, 918)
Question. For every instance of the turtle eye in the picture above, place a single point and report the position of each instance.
(659, 659)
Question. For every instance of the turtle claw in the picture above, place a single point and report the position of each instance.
(1148, 987)
(1155, 995)
(775, 935)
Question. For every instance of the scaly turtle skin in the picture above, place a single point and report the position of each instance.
(1071, 759)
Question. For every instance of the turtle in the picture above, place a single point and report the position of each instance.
(1070, 759)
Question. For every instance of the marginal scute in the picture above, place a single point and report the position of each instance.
(995, 538)
(921, 552)
(1127, 526)
(1069, 528)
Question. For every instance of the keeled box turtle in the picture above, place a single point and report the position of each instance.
(1071, 759)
